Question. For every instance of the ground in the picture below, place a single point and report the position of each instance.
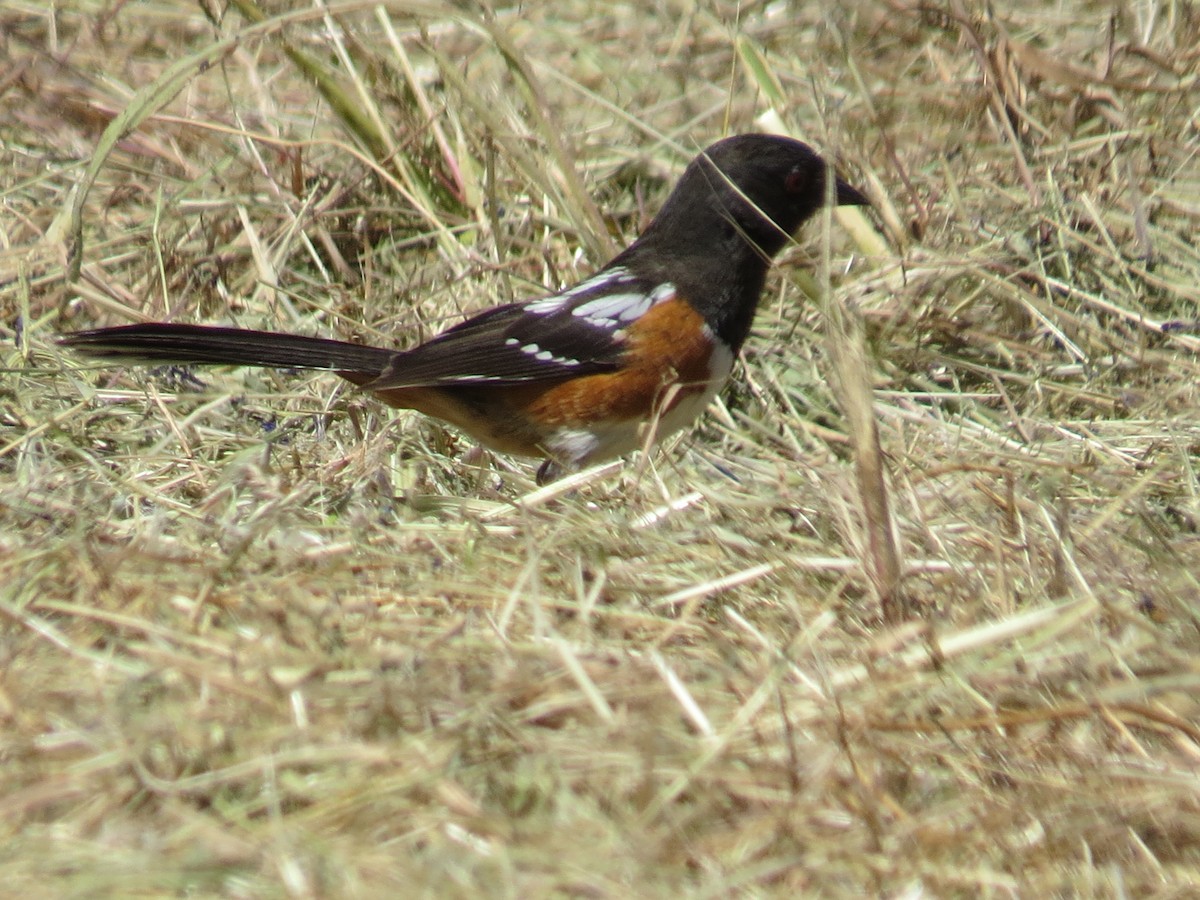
(912, 612)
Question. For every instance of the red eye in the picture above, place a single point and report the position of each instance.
(795, 182)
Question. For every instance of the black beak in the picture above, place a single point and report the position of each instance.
(848, 196)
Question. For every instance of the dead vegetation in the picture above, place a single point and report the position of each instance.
(262, 637)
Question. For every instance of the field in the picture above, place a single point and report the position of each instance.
(913, 611)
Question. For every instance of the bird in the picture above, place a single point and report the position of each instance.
(608, 365)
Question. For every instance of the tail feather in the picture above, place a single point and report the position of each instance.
(207, 345)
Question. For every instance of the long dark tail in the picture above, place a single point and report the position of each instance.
(196, 344)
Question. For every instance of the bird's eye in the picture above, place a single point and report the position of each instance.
(795, 182)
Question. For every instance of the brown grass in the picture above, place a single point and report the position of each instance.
(262, 637)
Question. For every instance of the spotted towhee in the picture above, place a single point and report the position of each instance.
(577, 376)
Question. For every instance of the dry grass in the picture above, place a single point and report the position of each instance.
(262, 637)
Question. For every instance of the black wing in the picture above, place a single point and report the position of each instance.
(580, 331)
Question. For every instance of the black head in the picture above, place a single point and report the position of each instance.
(735, 207)
(764, 186)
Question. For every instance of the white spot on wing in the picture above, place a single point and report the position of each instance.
(547, 356)
(604, 279)
(612, 310)
(662, 293)
(550, 304)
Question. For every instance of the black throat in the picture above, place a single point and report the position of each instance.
(719, 270)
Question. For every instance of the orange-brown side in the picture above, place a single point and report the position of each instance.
(484, 413)
(667, 346)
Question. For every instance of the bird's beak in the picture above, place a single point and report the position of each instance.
(848, 196)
